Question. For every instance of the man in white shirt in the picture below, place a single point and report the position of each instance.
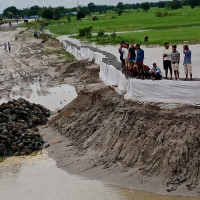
(167, 60)
(125, 56)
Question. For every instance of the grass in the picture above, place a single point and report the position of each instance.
(35, 153)
(61, 52)
(34, 24)
(177, 27)
(129, 21)
(2, 159)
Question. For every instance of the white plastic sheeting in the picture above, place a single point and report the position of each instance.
(163, 91)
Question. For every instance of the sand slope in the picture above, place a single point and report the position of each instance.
(125, 142)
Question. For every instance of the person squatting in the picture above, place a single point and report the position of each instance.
(132, 59)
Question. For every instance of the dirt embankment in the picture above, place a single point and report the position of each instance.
(125, 142)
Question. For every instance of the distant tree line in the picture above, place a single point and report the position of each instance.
(58, 12)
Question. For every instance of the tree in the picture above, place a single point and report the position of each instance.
(56, 13)
(81, 14)
(161, 4)
(91, 7)
(69, 19)
(167, 5)
(47, 13)
(145, 6)
(176, 4)
(119, 12)
(10, 12)
(194, 3)
(120, 6)
(34, 10)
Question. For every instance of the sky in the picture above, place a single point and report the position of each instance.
(54, 3)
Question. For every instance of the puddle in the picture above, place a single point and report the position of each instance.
(53, 98)
(37, 177)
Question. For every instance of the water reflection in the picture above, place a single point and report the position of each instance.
(39, 178)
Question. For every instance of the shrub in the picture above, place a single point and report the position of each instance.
(85, 32)
(158, 14)
(101, 33)
(95, 18)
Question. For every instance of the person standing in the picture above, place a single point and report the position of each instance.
(125, 56)
(167, 60)
(187, 61)
(139, 59)
(132, 54)
(9, 47)
(175, 58)
(121, 55)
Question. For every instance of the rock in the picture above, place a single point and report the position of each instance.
(11, 153)
(6, 112)
(2, 148)
(183, 179)
(47, 146)
(36, 129)
(9, 141)
(16, 154)
(22, 154)
(15, 148)
(27, 151)
(21, 145)
(18, 132)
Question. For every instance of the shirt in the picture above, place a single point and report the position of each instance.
(121, 54)
(168, 52)
(146, 68)
(187, 58)
(140, 55)
(125, 53)
(157, 70)
(132, 52)
(175, 57)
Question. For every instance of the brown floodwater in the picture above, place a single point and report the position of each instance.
(37, 177)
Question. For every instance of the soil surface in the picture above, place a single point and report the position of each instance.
(99, 134)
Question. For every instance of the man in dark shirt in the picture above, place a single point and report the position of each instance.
(132, 54)
(121, 55)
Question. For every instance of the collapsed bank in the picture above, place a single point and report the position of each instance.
(130, 143)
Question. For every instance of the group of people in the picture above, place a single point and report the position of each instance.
(132, 59)
(7, 48)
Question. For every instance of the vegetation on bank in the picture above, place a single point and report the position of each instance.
(60, 52)
(2, 159)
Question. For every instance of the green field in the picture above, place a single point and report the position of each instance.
(177, 27)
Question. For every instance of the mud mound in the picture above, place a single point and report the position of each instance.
(153, 141)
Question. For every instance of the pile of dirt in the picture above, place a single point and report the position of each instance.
(125, 135)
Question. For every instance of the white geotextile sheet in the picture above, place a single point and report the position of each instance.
(162, 91)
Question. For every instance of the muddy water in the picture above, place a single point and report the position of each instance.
(53, 98)
(37, 177)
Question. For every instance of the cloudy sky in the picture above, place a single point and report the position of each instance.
(66, 3)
